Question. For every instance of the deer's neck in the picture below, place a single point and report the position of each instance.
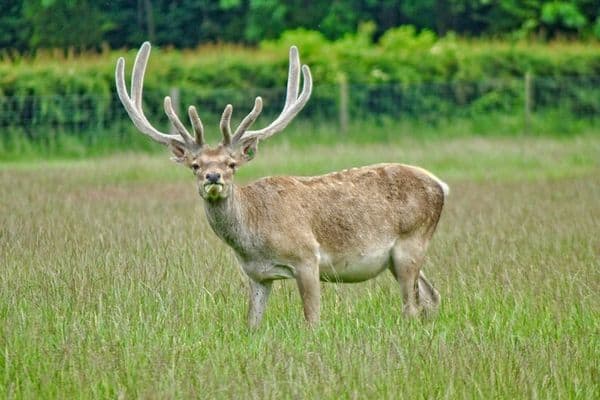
(226, 218)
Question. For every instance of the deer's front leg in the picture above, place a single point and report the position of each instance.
(307, 277)
(259, 294)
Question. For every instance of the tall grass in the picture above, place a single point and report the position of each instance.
(113, 285)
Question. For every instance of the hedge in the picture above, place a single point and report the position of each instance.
(404, 73)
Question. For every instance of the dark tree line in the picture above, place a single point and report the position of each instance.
(26, 25)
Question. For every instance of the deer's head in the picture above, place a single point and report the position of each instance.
(214, 167)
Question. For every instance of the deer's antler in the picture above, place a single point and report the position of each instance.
(293, 104)
(133, 106)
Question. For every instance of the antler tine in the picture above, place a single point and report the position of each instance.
(226, 125)
(287, 115)
(133, 104)
(137, 76)
(293, 83)
(197, 125)
(168, 105)
(248, 121)
(293, 102)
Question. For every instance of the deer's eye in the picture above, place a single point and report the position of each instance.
(195, 167)
(232, 165)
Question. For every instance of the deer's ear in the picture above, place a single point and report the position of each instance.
(248, 151)
(178, 152)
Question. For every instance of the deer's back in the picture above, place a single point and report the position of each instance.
(346, 210)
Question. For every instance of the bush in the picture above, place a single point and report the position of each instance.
(405, 74)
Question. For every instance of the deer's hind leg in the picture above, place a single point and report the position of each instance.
(417, 293)
(429, 297)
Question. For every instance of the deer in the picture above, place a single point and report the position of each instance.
(346, 226)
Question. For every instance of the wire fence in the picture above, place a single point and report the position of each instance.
(79, 115)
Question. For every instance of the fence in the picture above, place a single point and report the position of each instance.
(79, 115)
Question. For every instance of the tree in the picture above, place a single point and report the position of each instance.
(14, 30)
(87, 24)
(65, 23)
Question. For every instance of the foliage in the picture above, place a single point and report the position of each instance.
(400, 55)
(406, 74)
(562, 15)
(62, 24)
(27, 25)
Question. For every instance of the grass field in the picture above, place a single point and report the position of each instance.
(113, 285)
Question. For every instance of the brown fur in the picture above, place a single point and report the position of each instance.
(343, 210)
(283, 227)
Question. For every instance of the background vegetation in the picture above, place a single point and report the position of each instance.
(60, 104)
(411, 67)
(28, 25)
(114, 286)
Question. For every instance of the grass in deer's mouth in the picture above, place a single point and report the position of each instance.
(216, 187)
(213, 190)
(113, 284)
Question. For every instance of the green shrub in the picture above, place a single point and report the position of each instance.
(405, 74)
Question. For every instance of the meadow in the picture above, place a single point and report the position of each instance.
(114, 286)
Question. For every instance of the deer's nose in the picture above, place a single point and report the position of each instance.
(213, 177)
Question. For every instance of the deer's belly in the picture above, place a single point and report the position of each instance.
(348, 267)
(355, 267)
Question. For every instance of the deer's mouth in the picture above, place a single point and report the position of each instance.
(213, 190)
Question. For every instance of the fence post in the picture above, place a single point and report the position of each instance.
(343, 103)
(174, 94)
(528, 102)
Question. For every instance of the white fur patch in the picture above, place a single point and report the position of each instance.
(443, 185)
